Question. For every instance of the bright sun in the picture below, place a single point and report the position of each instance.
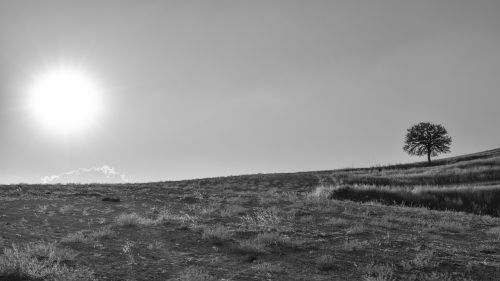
(65, 100)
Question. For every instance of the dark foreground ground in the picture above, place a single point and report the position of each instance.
(256, 227)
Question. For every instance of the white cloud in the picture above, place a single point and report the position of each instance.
(103, 174)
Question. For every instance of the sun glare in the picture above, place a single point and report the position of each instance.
(65, 100)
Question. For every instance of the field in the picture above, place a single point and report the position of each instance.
(400, 222)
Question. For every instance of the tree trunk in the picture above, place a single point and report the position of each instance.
(429, 156)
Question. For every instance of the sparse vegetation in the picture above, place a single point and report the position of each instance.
(88, 237)
(261, 227)
(267, 219)
(356, 229)
(41, 261)
(378, 273)
(354, 245)
(327, 262)
(268, 267)
(195, 273)
(217, 232)
(133, 219)
(232, 210)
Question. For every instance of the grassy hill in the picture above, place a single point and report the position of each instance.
(398, 222)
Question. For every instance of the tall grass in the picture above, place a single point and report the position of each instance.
(484, 200)
(478, 170)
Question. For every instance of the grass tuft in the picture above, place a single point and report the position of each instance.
(133, 219)
(218, 232)
(195, 273)
(326, 262)
(41, 261)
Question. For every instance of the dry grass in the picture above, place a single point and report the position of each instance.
(457, 171)
(89, 237)
(338, 222)
(378, 273)
(356, 229)
(327, 262)
(472, 199)
(354, 245)
(195, 273)
(218, 232)
(264, 241)
(232, 210)
(41, 261)
(495, 231)
(133, 219)
(267, 219)
(259, 227)
(268, 267)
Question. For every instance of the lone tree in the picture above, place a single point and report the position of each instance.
(427, 139)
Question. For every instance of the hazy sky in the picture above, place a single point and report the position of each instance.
(212, 88)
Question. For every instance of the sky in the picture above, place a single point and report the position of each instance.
(193, 89)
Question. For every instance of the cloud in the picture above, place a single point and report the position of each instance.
(103, 174)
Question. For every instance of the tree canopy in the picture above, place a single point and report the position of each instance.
(428, 139)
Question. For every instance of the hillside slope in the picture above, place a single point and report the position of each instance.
(478, 167)
(253, 227)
